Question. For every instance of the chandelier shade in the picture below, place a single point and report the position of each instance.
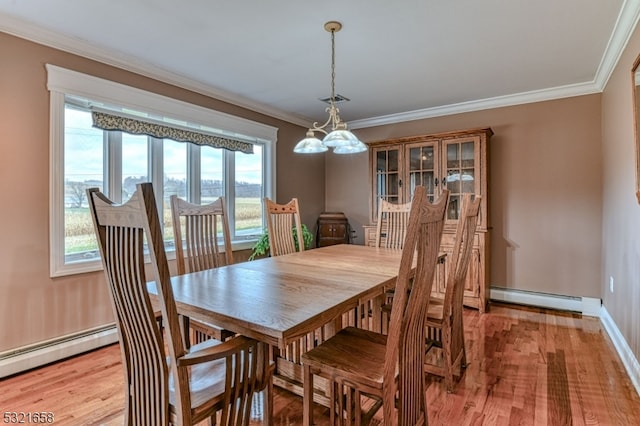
(310, 145)
(337, 136)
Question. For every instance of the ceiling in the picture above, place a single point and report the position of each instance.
(396, 61)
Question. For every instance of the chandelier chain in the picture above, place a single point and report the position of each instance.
(333, 66)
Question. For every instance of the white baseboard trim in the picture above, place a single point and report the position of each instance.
(28, 357)
(629, 360)
(585, 305)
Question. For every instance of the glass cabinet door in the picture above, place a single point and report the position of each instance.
(460, 163)
(387, 180)
(422, 161)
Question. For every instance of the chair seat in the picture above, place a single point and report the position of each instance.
(435, 310)
(205, 379)
(353, 354)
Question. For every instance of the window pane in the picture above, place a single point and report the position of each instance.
(468, 181)
(414, 159)
(453, 160)
(453, 208)
(83, 168)
(381, 161)
(211, 174)
(249, 190)
(135, 163)
(175, 180)
(393, 160)
(468, 154)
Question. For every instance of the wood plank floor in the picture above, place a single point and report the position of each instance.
(526, 367)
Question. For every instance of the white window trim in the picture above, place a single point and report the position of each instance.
(61, 82)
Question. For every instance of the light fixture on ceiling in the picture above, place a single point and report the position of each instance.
(339, 138)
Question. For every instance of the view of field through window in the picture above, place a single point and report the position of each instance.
(91, 160)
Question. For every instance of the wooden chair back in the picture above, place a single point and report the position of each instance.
(158, 388)
(462, 248)
(457, 272)
(406, 339)
(206, 235)
(282, 221)
(393, 220)
(202, 237)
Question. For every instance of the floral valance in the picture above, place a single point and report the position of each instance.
(106, 121)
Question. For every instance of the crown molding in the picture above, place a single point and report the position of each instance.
(479, 105)
(625, 25)
(28, 31)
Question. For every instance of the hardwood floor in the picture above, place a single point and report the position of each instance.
(527, 366)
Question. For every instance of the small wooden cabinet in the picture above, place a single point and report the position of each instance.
(457, 161)
(332, 228)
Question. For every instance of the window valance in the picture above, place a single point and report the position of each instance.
(108, 121)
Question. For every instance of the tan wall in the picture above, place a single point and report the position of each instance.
(563, 210)
(545, 190)
(621, 213)
(34, 307)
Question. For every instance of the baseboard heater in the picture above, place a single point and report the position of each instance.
(36, 355)
(589, 306)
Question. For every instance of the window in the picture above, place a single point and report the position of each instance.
(83, 156)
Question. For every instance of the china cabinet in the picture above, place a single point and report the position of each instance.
(457, 161)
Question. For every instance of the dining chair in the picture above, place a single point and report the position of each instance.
(391, 229)
(387, 369)
(392, 224)
(282, 221)
(212, 380)
(205, 227)
(445, 329)
(202, 241)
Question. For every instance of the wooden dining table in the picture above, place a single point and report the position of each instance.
(291, 302)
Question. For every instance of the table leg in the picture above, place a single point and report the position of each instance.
(307, 411)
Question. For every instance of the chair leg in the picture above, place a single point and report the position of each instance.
(268, 404)
(307, 411)
(448, 366)
(345, 412)
(186, 336)
(448, 376)
(463, 359)
(333, 391)
(358, 408)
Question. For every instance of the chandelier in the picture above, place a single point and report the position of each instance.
(339, 138)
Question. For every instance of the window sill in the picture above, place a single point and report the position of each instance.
(94, 264)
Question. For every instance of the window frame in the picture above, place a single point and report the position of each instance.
(62, 82)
